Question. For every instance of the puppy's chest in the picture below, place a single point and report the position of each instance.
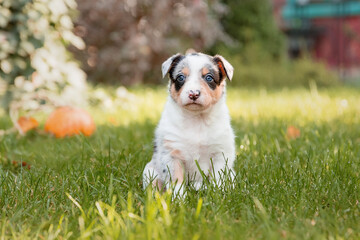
(197, 142)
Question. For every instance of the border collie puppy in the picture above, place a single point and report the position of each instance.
(195, 124)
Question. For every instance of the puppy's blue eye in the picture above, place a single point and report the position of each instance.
(180, 78)
(209, 78)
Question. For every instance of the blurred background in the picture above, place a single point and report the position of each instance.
(57, 52)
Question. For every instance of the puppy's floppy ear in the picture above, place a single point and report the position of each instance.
(224, 66)
(165, 67)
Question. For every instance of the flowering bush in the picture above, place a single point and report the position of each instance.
(128, 40)
(36, 70)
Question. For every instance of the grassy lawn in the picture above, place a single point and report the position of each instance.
(90, 188)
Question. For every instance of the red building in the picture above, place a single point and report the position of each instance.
(328, 29)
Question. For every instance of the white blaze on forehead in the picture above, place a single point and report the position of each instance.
(195, 63)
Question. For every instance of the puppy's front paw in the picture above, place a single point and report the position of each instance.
(150, 176)
(178, 191)
(224, 179)
(197, 185)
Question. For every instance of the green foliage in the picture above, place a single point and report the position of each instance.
(90, 188)
(35, 67)
(274, 74)
(251, 25)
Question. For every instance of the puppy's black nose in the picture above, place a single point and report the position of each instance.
(193, 95)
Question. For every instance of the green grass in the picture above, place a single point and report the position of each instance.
(90, 188)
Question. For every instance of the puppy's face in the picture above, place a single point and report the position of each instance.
(197, 81)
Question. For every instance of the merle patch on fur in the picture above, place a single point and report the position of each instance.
(178, 84)
(212, 85)
(155, 147)
(215, 75)
(175, 62)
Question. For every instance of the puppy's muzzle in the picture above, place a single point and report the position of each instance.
(193, 95)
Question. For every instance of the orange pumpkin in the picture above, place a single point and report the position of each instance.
(292, 132)
(27, 123)
(69, 121)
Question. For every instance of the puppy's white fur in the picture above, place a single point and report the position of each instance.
(191, 129)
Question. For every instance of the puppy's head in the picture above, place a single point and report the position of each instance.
(197, 81)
